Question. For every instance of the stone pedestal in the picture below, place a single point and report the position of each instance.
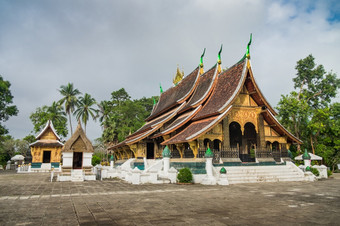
(135, 177)
(166, 166)
(307, 162)
(209, 179)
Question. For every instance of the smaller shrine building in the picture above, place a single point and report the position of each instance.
(46, 150)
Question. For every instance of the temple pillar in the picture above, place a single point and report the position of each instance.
(226, 135)
(261, 143)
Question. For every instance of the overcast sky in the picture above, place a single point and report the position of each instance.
(104, 45)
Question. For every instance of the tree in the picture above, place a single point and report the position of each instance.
(307, 112)
(121, 116)
(55, 113)
(6, 107)
(85, 109)
(314, 83)
(69, 99)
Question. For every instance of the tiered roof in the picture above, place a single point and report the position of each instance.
(199, 102)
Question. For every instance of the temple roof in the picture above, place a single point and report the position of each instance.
(228, 84)
(49, 125)
(175, 95)
(47, 143)
(280, 129)
(78, 135)
(196, 129)
(203, 88)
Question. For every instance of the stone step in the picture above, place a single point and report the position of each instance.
(257, 174)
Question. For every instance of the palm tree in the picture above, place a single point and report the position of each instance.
(70, 99)
(56, 113)
(85, 109)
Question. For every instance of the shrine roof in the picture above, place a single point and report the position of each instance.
(228, 84)
(175, 95)
(49, 125)
(203, 88)
(78, 134)
(47, 143)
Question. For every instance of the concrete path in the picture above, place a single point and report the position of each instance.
(30, 199)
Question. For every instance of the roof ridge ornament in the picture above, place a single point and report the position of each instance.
(249, 43)
(160, 88)
(201, 63)
(219, 69)
(178, 76)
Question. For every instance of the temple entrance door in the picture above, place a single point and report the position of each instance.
(46, 156)
(150, 150)
(251, 142)
(235, 136)
(77, 160)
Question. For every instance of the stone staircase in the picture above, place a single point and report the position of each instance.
(256, 174)
(77, 175)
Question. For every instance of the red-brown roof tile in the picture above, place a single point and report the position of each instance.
(175, 95)
(228, 83)
(203, 88)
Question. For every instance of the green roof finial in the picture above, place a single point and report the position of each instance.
(219, 55)
(209, 153)
(306, 155)
(160, 88)
(201, 60)
(249, 43)
(154, 101)
(166, 152)
(223, 171)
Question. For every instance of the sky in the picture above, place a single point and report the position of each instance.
(103, 45)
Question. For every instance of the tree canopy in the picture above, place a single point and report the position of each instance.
(308, 111)
(7, 109)
(121, 115)
(55, 113)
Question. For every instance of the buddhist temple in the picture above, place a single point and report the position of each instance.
(223, 110)
(46, 151)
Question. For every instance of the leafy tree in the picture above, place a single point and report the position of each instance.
(85, 109)
(122, 116)
(314, 83)
(69, 99)
(6, 107)
(55, 113)
(29, 138)
(307, 112)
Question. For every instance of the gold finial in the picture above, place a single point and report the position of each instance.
(178, 76)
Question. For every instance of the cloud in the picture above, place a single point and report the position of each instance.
(102, 46)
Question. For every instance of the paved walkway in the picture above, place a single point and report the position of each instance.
(30, 199)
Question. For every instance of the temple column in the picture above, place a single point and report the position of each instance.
(226, 135)
(261, 143)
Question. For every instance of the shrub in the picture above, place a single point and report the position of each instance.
(95, 160)
(315, 171)
(184, 176)
(329, 173)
